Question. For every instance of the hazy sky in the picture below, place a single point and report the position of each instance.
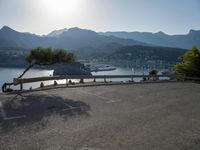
(43, 16)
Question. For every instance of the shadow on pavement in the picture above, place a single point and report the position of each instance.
(23, 110)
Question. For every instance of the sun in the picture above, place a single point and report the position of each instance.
(61, 7)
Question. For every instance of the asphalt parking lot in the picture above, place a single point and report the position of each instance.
(161, 116)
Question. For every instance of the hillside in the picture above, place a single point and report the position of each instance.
(12, 57)
(145, 57)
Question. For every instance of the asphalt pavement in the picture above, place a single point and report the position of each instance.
(154, 116)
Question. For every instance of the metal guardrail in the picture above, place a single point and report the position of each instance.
(82, 77)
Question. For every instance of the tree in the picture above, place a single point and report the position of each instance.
(190, 64)
(47, 56)
(153, 72)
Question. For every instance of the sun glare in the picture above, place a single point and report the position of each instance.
(61, 7)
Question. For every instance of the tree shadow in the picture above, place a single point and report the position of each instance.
(24, 110)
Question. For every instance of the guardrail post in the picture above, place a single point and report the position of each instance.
(41, 85)
(143, 77)
(81, 80)
(105, 79)
(66, 82)
(21, 85)
(132, 79)
(55, 83)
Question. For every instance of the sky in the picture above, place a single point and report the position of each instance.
(44, 16)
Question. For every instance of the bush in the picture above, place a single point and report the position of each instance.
(153, 72)
(190, 64)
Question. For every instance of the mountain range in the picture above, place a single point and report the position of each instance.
(82, 39)
(117, 48)
(161, 39)
(71, 39)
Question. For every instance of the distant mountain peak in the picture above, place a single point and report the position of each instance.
(76, 29)
(194, 31)
(80, 32)
(6, 28)
(160, 33)
(57, 33)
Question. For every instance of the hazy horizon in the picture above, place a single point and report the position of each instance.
(43, 16)
(187, 32)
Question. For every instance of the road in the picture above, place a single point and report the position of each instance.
(161, 116)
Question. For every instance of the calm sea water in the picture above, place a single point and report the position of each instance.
(7, 75)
